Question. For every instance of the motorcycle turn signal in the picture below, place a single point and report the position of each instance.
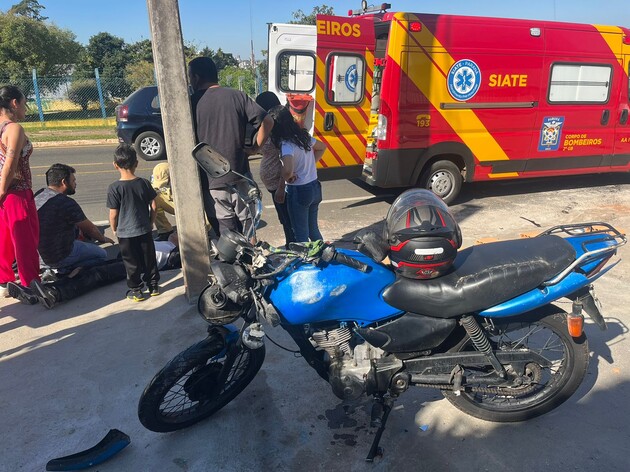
(575, 320)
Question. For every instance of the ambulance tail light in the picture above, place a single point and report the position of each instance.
(380, 132)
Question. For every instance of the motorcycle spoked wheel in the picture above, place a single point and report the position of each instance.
(189, 388)
(545, 387)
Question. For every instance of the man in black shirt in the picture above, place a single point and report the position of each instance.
(221, 116)
(62, 222)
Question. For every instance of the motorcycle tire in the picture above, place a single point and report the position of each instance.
(548, 326)
(189, 388)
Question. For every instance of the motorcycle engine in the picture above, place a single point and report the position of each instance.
(349, 367)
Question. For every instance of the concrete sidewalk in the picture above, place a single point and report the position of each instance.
(70, 374)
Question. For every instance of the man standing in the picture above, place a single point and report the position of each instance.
(221, 117)
(62, 222)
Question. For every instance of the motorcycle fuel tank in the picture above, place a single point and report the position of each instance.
(311, 294)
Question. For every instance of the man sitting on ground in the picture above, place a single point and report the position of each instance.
(62, 222)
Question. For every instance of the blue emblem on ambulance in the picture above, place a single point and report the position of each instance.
(550, 133)
(464, 80)
(352, 77)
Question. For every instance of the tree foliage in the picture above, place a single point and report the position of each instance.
(239, 79)
(82, 92)
(301, 18)
(27, 44)
(29, 9)
(110, 55)
(140, 74)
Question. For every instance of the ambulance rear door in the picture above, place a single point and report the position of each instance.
(345, 61)
(292, 60)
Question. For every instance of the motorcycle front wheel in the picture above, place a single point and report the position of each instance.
(197, 383)
(544, 387)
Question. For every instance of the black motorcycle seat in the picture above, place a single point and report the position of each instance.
(483, 276)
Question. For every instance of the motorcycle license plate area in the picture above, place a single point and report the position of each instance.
(311, 294)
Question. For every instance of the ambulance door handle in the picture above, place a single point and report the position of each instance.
(623, 119)
(605, 117)
(329, 121)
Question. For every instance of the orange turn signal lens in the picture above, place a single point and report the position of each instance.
(575, 323)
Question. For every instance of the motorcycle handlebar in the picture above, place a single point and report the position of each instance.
(351, 262)
(331, 254)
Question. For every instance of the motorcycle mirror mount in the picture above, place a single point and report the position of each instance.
(215, 164)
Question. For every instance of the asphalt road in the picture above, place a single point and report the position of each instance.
(70, 374)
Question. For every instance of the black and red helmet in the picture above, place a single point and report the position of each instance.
(422, 234)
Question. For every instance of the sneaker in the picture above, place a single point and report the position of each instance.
(21, 293)
(136, 294)
(4, 291)
(46, 295)
(154, 290)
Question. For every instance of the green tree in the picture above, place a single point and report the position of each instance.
(140, 74)
(28, 8)
(301, 18)
(239, 79)
(141, 51)
(109, 54)
(83, 92)
(27, 44)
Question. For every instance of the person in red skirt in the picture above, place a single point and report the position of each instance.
(19, 226)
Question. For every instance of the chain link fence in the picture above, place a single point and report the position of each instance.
(64, 100)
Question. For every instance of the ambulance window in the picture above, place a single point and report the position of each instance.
(345, 74)
(297, 72)
(580, 83)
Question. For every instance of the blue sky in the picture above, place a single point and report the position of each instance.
(226, 24)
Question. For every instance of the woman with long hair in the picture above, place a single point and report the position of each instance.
(299, 152)
(270, 170)
(19, 225)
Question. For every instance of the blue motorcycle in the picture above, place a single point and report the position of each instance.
(484, 331)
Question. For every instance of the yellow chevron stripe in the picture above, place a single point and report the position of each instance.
(342, 151)
(613, 37)
(428, 77)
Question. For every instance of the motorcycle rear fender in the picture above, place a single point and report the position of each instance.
(586, 296)
(541, 296)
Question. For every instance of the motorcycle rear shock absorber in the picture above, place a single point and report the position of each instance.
(481, 343)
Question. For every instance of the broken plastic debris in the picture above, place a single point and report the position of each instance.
(424, 427)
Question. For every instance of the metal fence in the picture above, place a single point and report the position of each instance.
(65, 99)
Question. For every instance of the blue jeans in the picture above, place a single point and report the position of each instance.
(82, 255)
(303, 203)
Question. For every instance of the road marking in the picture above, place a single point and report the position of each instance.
(78, 165)
(101, 223)
(349, 199)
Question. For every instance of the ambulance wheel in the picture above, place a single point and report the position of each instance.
(444, 179)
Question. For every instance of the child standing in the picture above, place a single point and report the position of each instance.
(132, 210)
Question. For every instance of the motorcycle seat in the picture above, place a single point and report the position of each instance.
(483, 276)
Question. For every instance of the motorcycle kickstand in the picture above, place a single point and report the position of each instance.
(380, 413)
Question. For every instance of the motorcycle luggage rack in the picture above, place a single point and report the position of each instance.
(612, 237)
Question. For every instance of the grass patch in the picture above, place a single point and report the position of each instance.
(71, 130)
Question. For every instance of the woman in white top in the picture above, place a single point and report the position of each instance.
(299, 152)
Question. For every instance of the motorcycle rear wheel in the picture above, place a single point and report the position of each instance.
(195, 384)
(551, 386)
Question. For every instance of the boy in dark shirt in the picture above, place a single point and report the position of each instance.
(132, 210)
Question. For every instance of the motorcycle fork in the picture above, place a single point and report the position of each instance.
(482, 343)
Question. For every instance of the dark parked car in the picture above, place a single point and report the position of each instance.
(139, 123)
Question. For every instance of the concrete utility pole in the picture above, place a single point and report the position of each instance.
(171, 72)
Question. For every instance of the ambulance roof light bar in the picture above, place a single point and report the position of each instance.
(382, 8)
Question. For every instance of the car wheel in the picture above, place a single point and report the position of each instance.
(150, 146)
